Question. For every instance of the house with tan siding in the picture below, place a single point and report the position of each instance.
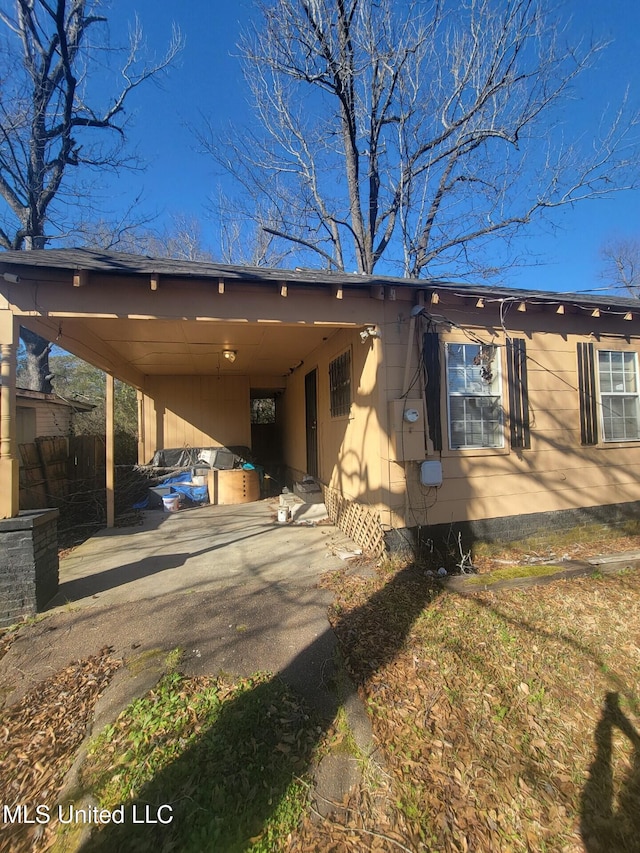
(421, 408)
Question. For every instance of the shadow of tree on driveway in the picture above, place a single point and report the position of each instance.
(94, 583)
(215, 807)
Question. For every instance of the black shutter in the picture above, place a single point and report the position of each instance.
(518, 393)
(587, 390)
(431, 364)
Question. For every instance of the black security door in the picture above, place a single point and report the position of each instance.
(311, 415)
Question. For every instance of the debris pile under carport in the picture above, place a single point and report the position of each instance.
(179, 477)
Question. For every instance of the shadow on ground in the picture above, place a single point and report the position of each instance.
(609, 806)
(214, 807)
(609, 822)
(98, 582)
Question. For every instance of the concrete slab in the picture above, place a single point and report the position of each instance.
(235, 590)
(212, 546)
(309, 513)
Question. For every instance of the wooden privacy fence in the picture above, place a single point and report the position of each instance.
(87, 459)
(55, 468)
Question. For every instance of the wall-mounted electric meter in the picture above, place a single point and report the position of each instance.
(406, 422)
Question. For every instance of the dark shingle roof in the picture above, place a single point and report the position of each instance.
(127, 264)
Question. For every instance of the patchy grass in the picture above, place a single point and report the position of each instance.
(505, 721)
(577, 543)
(228, 758)
(513, 572)
(137, 664)
(508, 721)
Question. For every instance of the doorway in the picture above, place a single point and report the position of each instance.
(311, 421)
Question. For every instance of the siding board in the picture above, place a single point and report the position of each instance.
(196, 411)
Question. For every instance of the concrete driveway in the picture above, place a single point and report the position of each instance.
(232, 588)
(197, 551)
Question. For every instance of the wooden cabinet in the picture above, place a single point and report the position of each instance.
(236, 486)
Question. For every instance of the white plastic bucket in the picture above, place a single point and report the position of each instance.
(171, 502)
(283, 514)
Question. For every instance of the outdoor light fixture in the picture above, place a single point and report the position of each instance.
(369, 332)
(230, 354)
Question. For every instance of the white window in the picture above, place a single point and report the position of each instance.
(618, 377)
(474, 397)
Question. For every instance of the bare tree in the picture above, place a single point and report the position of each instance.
(414, 132)
(245, 235)
(52, 123)
(182, 239)
(621, 257)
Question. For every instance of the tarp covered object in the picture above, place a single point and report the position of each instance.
(197, 494)
(189, 457)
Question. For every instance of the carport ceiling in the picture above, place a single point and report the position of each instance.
(135, 316)
(195, 348)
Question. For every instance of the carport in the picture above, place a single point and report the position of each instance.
(198, 341)
(194, 339)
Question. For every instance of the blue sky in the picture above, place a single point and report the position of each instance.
(207, 81)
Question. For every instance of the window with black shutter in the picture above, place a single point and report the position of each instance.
(619, 395)
(474, 395)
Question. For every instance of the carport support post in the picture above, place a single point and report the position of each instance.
(9, 470)
(141, 433)
(109, 451)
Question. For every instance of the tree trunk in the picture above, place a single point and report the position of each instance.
(36, 375)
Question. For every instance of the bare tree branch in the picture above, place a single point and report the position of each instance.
(415, 133)
(182, 240)
(302, 242)
(621, 258)
(46, 116)
(50, 123)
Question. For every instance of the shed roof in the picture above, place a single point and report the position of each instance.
(52, 399)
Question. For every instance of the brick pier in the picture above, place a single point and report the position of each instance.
(28, 563)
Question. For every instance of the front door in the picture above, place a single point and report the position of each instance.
(311, 420)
